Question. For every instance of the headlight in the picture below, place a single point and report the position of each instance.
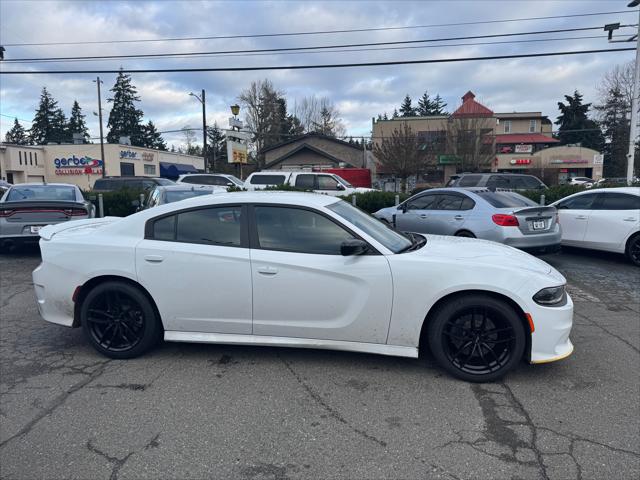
(551, 297)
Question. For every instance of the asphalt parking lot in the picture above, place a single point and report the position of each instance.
(208, 411)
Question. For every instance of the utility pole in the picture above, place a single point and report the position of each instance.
(633, 134)
(104, 163)
(202, 100)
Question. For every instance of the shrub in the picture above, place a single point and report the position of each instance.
(373, 201)
(553, 194)
(117, 203)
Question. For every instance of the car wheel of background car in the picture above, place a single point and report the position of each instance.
(633, 249)
(466, 234)
(119, 320)
(476, 337)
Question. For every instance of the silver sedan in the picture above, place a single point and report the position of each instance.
(501, 216)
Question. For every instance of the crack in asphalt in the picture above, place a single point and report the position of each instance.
(329, 409)
(614, 335)
(56, 403)
(118, 463)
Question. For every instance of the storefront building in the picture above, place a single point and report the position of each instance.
(82, 164)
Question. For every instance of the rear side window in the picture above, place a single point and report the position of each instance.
(450, 202)
(305, 181)
(469, 181)
(581, 202)
(506, 199)
(498, 181)
(211, 226)
(191, 179)
(267, 180)
(137, 184)
(164, 228)
(108, 184)
(618, 201)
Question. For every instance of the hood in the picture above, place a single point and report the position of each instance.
(483, 252)
(75, 227)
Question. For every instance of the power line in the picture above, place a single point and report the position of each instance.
(317, 66)
(381, 49)
(289, 49)
(318, 32)
(13, 116)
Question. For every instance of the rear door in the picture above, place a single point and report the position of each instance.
(303, 287)
(574, 215)
(450, 213)
(416, 214)
(615, 215)
(195, 264)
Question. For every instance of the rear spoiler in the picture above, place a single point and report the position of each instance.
(49, 231)
(62, 204)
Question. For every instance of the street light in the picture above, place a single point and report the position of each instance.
(235, 109)
(202, 100)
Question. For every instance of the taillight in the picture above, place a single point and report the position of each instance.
(505, 220)
(75, 212)
(6, 213)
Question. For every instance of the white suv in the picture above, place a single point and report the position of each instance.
(220, 181)
(327, 183)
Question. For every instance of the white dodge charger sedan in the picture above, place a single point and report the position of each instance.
(300, 270)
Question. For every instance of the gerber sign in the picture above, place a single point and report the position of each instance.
(78, 165)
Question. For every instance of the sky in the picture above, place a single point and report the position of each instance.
(527, 84)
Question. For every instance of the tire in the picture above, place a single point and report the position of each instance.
(465, 234)
(119, 320)
(483, 354)
(633, 249)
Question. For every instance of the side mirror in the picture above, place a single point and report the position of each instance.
(353, 247)
(340, 187)
(403, 207)
(231, 184)
(135, 203)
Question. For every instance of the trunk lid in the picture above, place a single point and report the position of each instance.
(534, 220)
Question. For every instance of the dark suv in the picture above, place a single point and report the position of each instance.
(511, 181)
(110, 184)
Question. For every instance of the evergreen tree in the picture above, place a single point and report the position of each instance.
(77, 124)
(124, 118)
(425, 105)
(17, 135)
(395, 113)
(406, 110)
(216, 145)
(615, 124)
(384, 117)
(49, 122)
(438, 106)
(575, 127)
(151, 138)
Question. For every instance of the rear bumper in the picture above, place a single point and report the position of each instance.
(534, 241)
(54, 297)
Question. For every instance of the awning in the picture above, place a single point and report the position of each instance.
(174, 170)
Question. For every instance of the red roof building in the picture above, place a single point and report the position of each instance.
(472, 109)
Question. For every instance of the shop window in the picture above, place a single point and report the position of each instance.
(149, 169)
(20, 157)
(30, 159)
(35, 155)
(507, 126)
(532, 126)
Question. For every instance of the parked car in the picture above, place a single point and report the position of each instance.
(110, 184)
(174, 193)
(585, 181)
(4, 186)
(501, 216)
(319, 182)
(510, 181)
(300, 270)
(220, 180)
(603, 219)
(27, 207)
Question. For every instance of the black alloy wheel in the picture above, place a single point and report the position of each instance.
(119, 320)
(477, 338)
(633, 250)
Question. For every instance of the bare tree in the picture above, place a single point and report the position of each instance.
(319, 115)
(189, 136)
(401, 154)
(619, 78)
(471, 140)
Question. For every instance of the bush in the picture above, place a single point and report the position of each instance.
(371, 202)
(117, 203)
(552, 194)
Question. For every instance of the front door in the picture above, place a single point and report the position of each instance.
(613, 218)
(196, 266)
(416, 214)
(328, 185)
(574, 216)
(450, 213)
(304, 288)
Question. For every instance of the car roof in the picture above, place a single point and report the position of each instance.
(632, 190)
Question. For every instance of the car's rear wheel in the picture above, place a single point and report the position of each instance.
(119, 320)
(476, 337)
(633, 249)
(465, 233)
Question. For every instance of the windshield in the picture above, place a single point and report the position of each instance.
(177, 195)
(372, 227)
(164, 181)
(236, 180)
(342, 181)
(506, 199)
(41, 192)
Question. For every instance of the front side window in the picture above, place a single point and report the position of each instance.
(298, 230)
(424, 202)
(306, 181)
(469, 181)
(326, 182)
(211, 226)
(581, 202)
(267, 180)
(619, 201)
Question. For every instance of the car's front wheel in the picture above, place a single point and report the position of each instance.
(119, 320)
(633, 249)
(476, 337)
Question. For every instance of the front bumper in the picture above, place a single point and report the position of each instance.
(550, 339)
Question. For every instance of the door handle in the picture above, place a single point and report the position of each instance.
(267, 270)
(581, 217)
(629, 219)
(154, 258)
(459, 217)
(422, 215)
